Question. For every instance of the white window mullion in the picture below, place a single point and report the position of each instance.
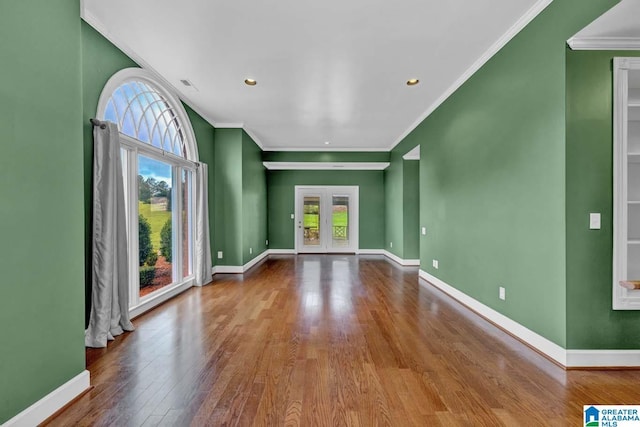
(132, 195)
(192, 221)
(176, 213)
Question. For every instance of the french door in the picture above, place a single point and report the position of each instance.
(326, 219)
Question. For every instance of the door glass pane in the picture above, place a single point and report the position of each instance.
(154, 224)
(187, 224)
(311, 220)
(340, 221)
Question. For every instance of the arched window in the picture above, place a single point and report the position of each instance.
(158, 154)
(147, 112)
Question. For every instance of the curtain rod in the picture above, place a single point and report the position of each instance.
(96, 122)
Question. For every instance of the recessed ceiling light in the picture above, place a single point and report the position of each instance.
(327, 143)
(250, 82)
(412, 82)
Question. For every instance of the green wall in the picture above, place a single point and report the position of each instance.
(591, 323)
(101, 60)
(254, 200)
(281, 195)
(492, 174)
(241, 198)
(394, 204)
(228, 194)
(41, 213)
(402, 197)
(411, 209)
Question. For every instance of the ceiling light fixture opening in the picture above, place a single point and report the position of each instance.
(412, 82)
(250, 82)
(327, 143)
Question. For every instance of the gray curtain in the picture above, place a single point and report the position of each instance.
(203, 247)
(110, 284)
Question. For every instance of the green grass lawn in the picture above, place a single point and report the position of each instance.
(340, 219)
(156, 221)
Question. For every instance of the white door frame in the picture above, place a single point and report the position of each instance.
(325, 192)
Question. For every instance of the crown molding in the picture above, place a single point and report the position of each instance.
(376, 166)
(229, 125)
(413, 154)
(604, 43)
(254, 137)
(329, 149)
(524, 20)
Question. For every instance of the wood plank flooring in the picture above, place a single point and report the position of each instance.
(330, 340)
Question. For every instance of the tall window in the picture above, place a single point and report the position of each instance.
(158, 154)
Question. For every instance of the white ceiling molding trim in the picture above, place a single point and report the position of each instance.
(616, 29)
(329, 149)
(604, 43)
(229, 125)
(374, 166)
(524, 20)
(97, 25)
(413, 154)
(255, 138)
(241, 126)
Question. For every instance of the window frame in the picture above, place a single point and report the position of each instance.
(131, 148)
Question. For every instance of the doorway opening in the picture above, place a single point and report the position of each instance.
(326, 219)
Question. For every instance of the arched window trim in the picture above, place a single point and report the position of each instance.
(183, 123)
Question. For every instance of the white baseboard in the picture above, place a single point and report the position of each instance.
(403, 262)
(51, 403)
(254, 261)
(567, 358)
(603, 358)
(282, 251)
(395, 258)
(549, 348)
(370, 252)
(234, 269)
(159, 299)
(239, 269)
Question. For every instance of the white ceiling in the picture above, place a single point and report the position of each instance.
(330, 70)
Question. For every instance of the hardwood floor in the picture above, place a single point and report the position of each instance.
(330, 340)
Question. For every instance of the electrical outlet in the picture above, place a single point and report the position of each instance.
(390, 244)
(293, 216)
(502, 293)
(435, 264)
(594, 221)
(219, 254)
(250, 251)
(424, 231)
(266, 242)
